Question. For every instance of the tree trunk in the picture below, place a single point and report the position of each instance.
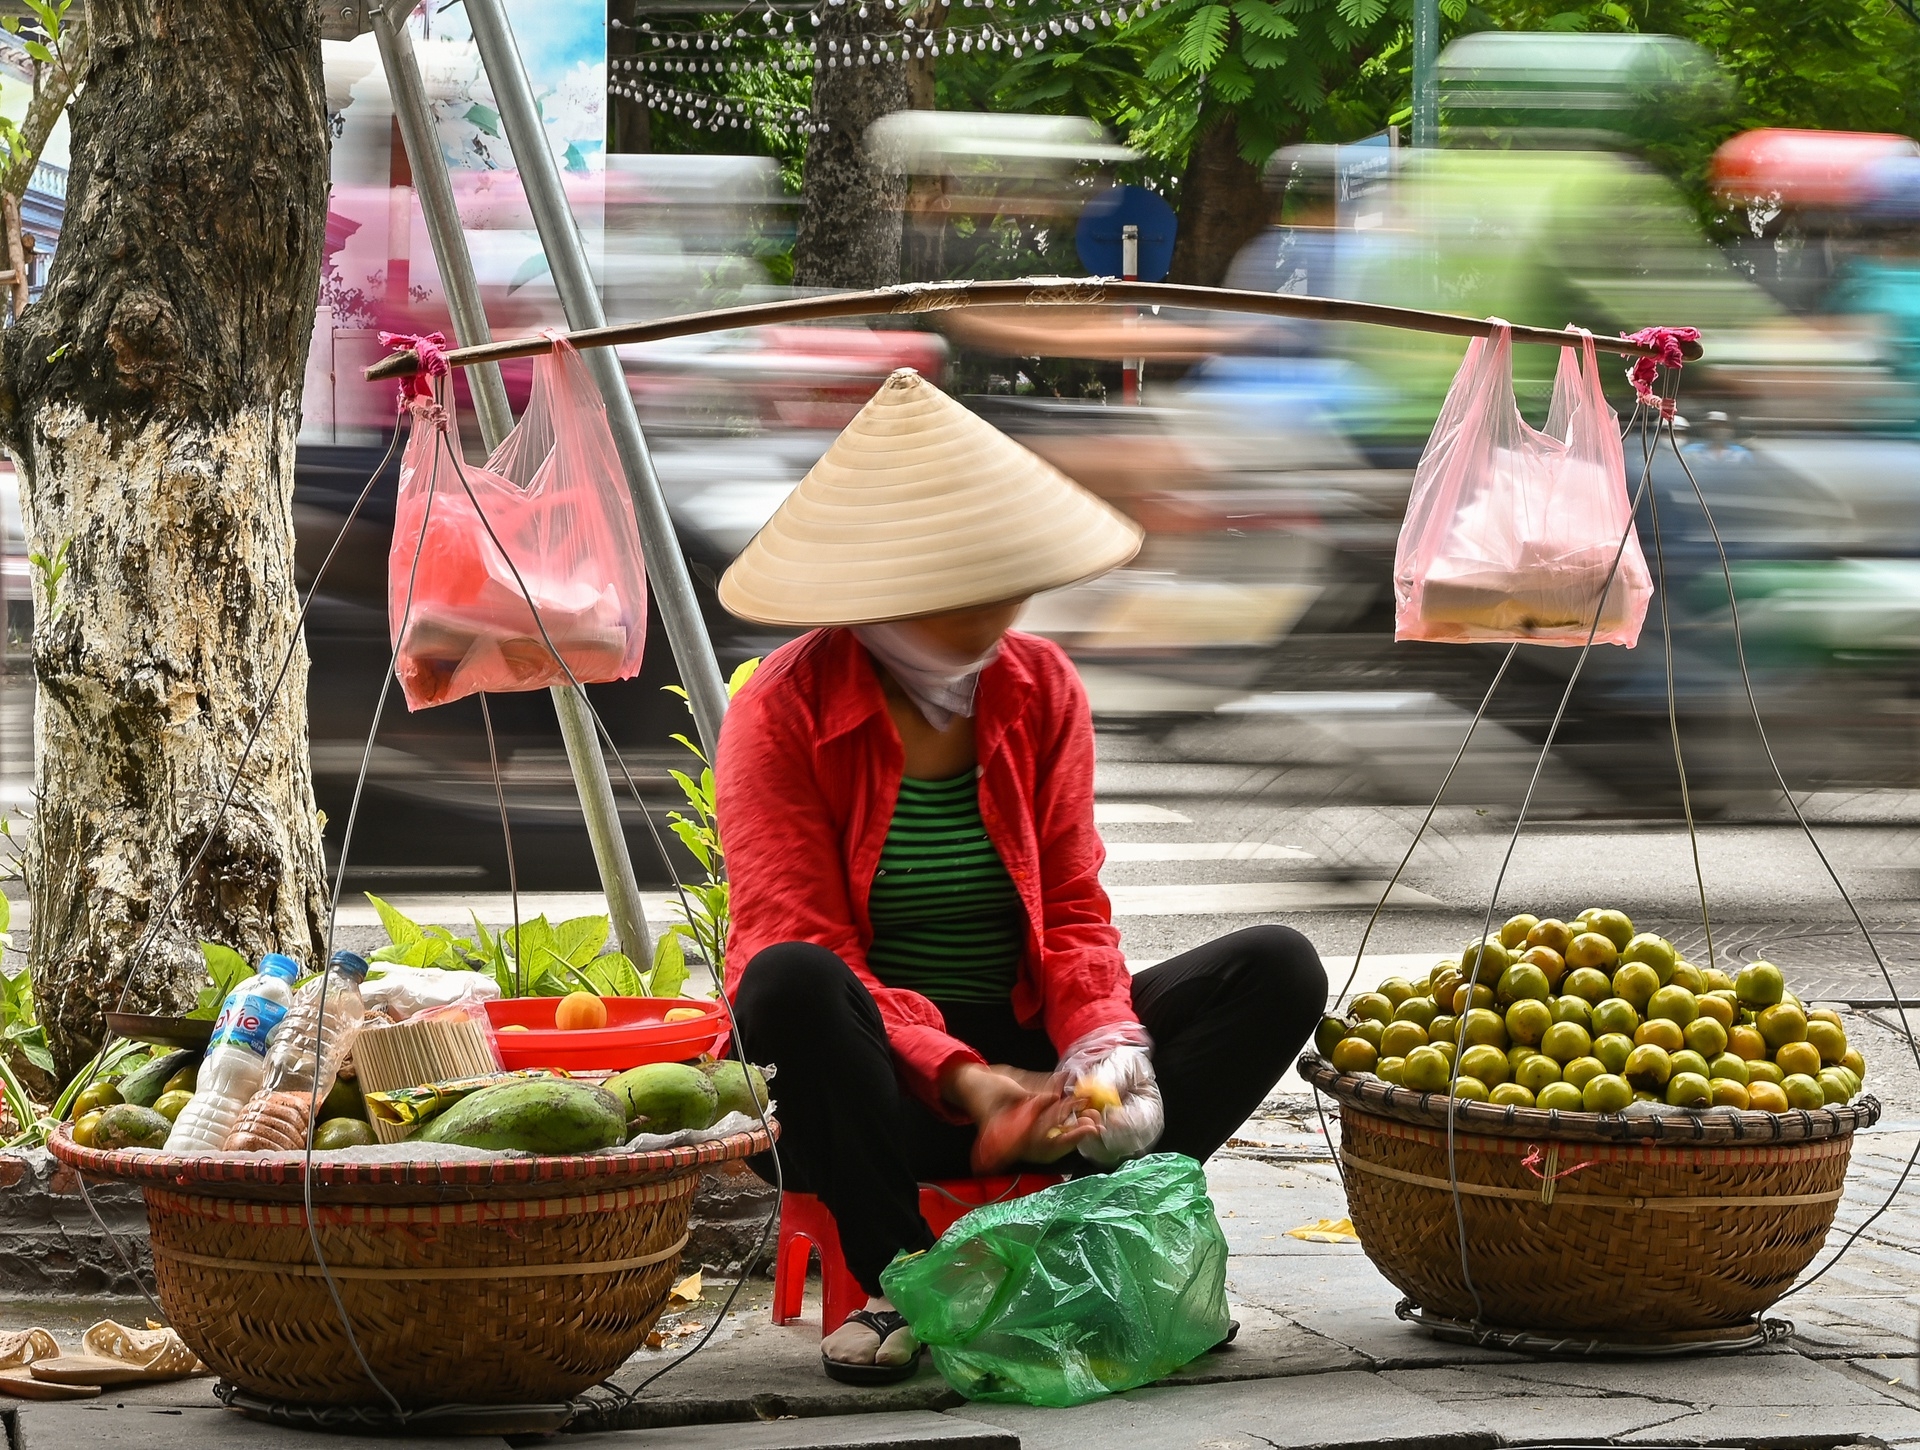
(1223, 206)
(152, 398)
(851, 201)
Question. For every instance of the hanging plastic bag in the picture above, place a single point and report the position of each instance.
(1093, 1286)
(1512, 534)
(554, 496)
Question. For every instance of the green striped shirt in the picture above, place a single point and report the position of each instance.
(947, 921)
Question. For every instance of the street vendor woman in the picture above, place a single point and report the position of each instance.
(920, 942)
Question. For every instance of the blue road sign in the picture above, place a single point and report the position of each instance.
(1098, 236)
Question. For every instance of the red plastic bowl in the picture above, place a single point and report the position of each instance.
(634, 1034)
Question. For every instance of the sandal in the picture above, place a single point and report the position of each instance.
(20, 1350)
(116, 1355)
(885, 1323)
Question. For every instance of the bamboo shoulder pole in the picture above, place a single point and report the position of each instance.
(917, 297)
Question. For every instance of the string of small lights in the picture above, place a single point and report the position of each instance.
(706, 111)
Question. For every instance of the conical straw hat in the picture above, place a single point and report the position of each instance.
(920, 507)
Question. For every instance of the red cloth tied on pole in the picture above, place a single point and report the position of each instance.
(1511, 534)
(1646, 370)
(548, 519)
(431, 349)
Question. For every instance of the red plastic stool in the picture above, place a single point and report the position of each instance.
(806, 1228)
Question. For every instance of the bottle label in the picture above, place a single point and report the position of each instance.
(245, 1021)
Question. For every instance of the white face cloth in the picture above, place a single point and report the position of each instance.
(940, 684)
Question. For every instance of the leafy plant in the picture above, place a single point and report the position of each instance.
(51, 572)
(539, 959)
(226, 969)
(704, 904)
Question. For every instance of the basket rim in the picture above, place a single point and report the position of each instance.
(617, 1166)
(1714, 1125)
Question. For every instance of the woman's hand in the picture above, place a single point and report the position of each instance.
(1021, 1115)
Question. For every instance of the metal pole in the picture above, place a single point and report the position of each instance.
(435, 190)
(1426, 83)
(567, 257)
(1130, 272)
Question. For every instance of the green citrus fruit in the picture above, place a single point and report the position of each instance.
(1687, 1060)
(1660, 1033)
(1488, 1064)
(1528, 1021)
(1589, 984)
(1761, 1070)
(1636, 983)
(1824, 1014)
(1388, 1069)
(1834, 1086)
(1674, 1004)
(1615, 926)
(1717, 980)
(169, 1104)
(1425, 1069)
(1613, 1049)
(1400, 1038)
(1798, 1057)
(1443, 1028)
(1518, 1054)
(1513, 934)
(1547, 960)
(1486, 1028)
(1727, 1093)
(1689, 1090)
(1582, 1070)
(1489, 956)
(1767, 1097)
(1562, 1095)
(1510, 1094)
(84, 1126)
(1536, 1072)
(1355, 1054)
(1446, 1048)
(1523, 982)
(1648, 1068)
(1328, 1034)
(1655, 951)
(1371, 1004)
(96, 1095)
(1726, 1065)
(1470, 1088)
(1368, 1031)
(1553, 934)
(1855, 1063)
(1395, 989)
(1445, 984)
(337, 1133)
(1591, 949)
(1577, 1010)
(1745, 1041)
(1781, 1024)
(1803, 1091)
(1616, 1014)
(1686, 974)
(1716, 1008)
(1475, 994)
(1416, 1009)
(1564, 1041)
(1759, 984)
(1706, 1037)
(1606, 1093)
(183, 1081)
(1829, 1039)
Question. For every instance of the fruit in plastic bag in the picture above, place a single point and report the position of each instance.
(1091, 1287)
(553, 497)
(1513, 534)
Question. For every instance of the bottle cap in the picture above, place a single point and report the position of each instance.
(352, 964)
(273, 964)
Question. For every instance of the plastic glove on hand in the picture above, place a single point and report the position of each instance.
(1110, 1072)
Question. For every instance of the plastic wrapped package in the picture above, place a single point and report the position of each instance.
(400, 992)
(1118, 1059)
(555, 499)
(1511, 534)
(1091, 1287)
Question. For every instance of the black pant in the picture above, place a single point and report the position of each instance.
(1226, 1019)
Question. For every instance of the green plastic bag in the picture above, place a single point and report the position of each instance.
(1093, 1286)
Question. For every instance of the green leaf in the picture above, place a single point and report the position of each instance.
(1258, 17)
(39, 52)
(742, 673)
(614, 975)
(400, 930)
(580, 940)
(1204, 37)
(34, 1049)
(6, 913)
(228, 969)
(669, 973)
(527, 942)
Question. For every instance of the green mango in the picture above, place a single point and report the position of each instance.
(664, 1097)
(128, 1125)
(144, 1085)
(554, 1117)
(730, 1080)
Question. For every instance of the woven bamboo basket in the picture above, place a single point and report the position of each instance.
(1634, 1228)
(504, 1281)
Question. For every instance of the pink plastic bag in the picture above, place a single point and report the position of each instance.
(1511, 533)
(554, 495)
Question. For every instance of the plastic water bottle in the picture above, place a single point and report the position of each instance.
(236, 1059)
(304, 1054)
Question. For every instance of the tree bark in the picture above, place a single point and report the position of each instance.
(152, 398)
(1223, 206)
(851, 201)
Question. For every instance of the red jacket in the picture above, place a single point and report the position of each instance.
(808, 772)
